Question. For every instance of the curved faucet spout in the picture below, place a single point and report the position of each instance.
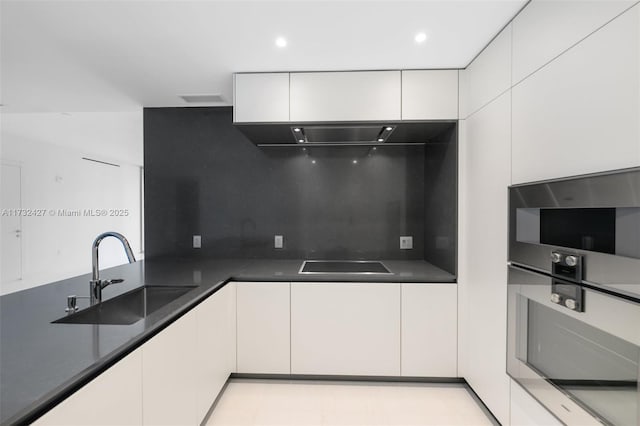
(96, 244)
(96, 285)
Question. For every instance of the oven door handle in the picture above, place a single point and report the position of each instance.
(615, 315)
(544, 288)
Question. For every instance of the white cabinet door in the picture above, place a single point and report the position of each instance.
(345, 96)
(545, 29)
(215, 346)
(484, 150)
(112, 398)
(261, 97)
(430, 330)
(580, 113)
(169, 374)
(345, 328)
(263, 327)
(430, 95)
(488, 76)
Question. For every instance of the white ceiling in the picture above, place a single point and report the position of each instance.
(121, 55)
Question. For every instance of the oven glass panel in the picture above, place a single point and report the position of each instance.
(599, 370)
(587, 229)
(604, 230)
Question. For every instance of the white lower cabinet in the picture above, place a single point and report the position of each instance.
(271, 328)
(345, 328)
(429, 330)
(215, 346)
(173, 379)
(112, 398)
(263, 327)
(169, 374)
(186, 365)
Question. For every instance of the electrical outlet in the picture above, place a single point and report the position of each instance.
(278, 242)
(197, 241)
(406, 243)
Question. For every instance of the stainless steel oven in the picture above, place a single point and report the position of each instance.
(574, 296)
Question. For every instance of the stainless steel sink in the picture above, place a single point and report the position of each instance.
(126, 308)
(343, 267)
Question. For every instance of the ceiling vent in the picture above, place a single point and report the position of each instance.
(202, 99)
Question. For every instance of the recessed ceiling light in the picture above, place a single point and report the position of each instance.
(301, 140)
(421, 37)
(281, 42)
(297, 129)
(380, 140)
(355, 161)
(389, 128)
(313, 161)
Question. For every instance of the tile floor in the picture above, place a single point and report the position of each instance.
(271, 402)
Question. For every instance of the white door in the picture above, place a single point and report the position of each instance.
(11, 269)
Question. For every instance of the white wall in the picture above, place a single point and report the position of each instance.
(49, 149)
(535, 106)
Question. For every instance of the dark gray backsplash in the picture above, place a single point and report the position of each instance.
(202, 176)
(441, 202)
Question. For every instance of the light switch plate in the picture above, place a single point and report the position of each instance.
(197, 241)
(406, 243)
(278, 242)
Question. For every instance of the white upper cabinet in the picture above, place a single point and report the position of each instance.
(488, 76)
(345, 96)
(581, 112)
(261, 97)
(545, 29)
(430, 95)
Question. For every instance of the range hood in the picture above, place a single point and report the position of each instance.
(339, 134)
(345, 133)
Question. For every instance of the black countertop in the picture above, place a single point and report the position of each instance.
(40, 362)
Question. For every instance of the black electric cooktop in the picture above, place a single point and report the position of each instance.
(343, 267)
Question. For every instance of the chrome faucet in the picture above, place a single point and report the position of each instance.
(96, 284)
